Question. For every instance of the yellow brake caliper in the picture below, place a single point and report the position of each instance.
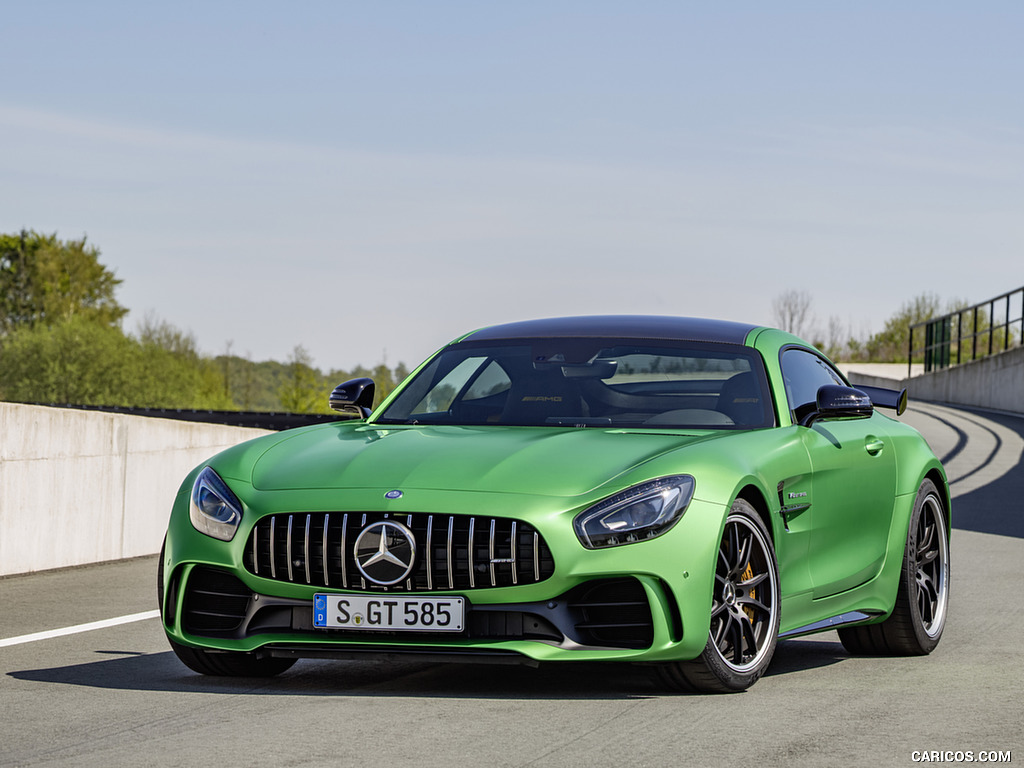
(747, 575)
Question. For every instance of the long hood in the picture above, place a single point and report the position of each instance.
(541, 461)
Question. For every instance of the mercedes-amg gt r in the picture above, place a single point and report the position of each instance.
(669, 491)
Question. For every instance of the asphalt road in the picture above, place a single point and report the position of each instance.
(117, 696)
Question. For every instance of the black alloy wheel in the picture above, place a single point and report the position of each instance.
(745, 608)
(922, 598)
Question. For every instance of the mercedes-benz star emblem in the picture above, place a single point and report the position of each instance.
(385, 552)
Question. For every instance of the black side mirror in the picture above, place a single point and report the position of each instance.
(354, 398)
(835, 402)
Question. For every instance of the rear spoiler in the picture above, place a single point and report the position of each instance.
(887, 398)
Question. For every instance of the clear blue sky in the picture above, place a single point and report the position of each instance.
(363, 178)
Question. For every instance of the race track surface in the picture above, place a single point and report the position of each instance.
(117, 696)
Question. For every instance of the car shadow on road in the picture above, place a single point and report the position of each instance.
(993, 508)
(123, 670)
(805, 654)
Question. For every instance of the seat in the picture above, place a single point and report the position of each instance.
(741, 400)
(542, 395)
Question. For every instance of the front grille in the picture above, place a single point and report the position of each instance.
(215, 602)
(452, 551)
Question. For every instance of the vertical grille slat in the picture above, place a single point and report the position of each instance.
(465, 552)
(344, 552)
(288, 550)
(493, 580)
(430, 552)
(273, 564)
(450, 550)
(305, 550)
(323, 551)
(514, 546)
(472, 564)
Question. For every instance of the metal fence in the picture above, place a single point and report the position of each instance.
(969, 333)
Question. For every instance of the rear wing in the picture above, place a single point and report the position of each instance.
(887, 398)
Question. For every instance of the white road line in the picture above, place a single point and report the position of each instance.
(79, 628)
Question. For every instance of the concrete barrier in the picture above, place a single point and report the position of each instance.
(82, 487)
(995, 382)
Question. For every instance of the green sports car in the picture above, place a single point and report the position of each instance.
(669, 491)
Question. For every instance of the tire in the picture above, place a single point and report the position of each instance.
(915, 625)
(221, 664)
(745, 609)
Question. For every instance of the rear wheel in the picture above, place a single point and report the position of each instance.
(916, 623)
(744, 611)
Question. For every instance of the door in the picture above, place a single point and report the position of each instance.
(853, 482)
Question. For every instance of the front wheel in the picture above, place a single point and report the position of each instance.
(915, 625)
(744, 611)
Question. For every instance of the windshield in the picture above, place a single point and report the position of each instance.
(588, 383)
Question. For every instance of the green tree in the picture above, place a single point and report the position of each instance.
(240, 380)
(303, 391)
(385, 383)
(76, 361)
(890, 345)
(169, 371)
(79, 361)
(44, 280)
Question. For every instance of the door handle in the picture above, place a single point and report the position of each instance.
(873, 445)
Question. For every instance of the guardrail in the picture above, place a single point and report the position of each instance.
(973, 331)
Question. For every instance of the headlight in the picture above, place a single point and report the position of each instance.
(637, 514)
(214, 509)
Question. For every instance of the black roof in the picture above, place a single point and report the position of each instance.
(620, 326)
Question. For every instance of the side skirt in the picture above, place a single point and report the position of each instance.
(842, 620)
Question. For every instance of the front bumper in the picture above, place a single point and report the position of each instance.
(647, 601)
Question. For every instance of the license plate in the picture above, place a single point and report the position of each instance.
(390, 613)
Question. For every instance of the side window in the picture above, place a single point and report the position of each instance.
(804, 373)
(492, 381)
(442, 394)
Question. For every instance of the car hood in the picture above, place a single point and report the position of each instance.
(528, 460)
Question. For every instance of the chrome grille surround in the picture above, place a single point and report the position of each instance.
(453, 552)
